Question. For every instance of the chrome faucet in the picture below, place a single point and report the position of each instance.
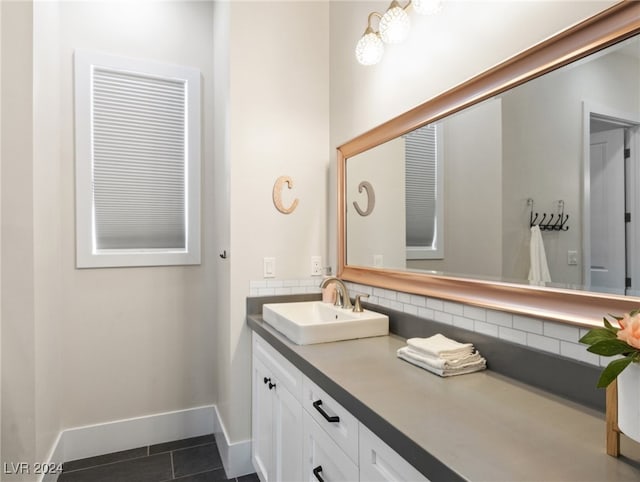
(342, 293)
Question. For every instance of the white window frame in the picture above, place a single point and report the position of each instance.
(436, 250)
(87, 255)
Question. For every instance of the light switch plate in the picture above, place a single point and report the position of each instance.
(269, 267)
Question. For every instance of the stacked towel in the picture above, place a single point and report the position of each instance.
(442, 356)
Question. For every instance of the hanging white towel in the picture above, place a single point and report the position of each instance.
(539, 271)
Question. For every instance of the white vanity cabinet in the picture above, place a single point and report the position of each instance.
(276, 415)
(324, 460)
(330, 437)
(300, 433)
(379, 462)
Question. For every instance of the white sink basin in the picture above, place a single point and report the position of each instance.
(309, 322)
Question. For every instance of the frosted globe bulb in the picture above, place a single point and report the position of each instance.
(394, 25)
(369, 49)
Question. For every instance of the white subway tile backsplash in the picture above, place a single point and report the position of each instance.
(453, 308)
(543, 343)
(475, 313)
(391, 304)
(578, 352)
(562, 332)
(443, 317)
(462, 322)
(426, 313)
(486, 328)
(266, 291)
(435, 304)
(537, 333)
(530, 325)
(387, 294)
(515, 336)
(404, 298)
(410, 309)
(500, 318)
(365, 290)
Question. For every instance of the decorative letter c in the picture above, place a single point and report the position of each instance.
(277, 195)
(371, 198)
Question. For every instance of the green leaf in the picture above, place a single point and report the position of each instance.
(610, 347)
(612, 370)
(609, 326)
(597, 334)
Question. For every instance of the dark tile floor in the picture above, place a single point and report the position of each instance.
(190, 460)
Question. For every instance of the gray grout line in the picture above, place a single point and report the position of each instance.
(173, 471)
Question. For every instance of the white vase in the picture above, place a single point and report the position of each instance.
(629, 401)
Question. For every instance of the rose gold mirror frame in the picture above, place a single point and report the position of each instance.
(576, 307)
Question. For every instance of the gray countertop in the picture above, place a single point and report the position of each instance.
(477, 427)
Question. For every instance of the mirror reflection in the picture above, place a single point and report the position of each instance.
(459, 196)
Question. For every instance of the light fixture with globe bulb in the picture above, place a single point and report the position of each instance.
(370, 48)
(393, 28)
(395, 24)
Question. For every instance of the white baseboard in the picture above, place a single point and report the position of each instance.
(91, 440)
(236, 457)
(130, 433)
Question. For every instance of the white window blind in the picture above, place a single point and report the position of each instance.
(138, 166)
(423, 193)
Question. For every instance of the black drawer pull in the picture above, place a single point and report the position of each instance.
(266, 380)
(326, 416)
(271, 385)
(317, 471)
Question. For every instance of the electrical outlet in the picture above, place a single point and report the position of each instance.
(316, 265)
(269, 267)
(572, 257)
(378, 260)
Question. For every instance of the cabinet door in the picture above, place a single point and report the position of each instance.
(339, 424)
(323, 459)
(380, 463)
(287, 428)
(262, 422)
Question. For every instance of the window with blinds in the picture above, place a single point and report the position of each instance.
(423, 193)
(137, 162)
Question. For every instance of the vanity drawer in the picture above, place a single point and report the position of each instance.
(338, 423)
(278, 366)
(323, 459)
(380, 463)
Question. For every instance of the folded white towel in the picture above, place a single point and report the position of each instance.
(539, 270)
(442, 369)
(440, 346)
(444, 363)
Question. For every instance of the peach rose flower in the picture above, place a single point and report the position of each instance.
(630, 332)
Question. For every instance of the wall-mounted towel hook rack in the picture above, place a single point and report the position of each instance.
(549, 222)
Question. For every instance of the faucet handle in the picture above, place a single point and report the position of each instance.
(357, 306)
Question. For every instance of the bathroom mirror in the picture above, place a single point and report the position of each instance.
(532, 141)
